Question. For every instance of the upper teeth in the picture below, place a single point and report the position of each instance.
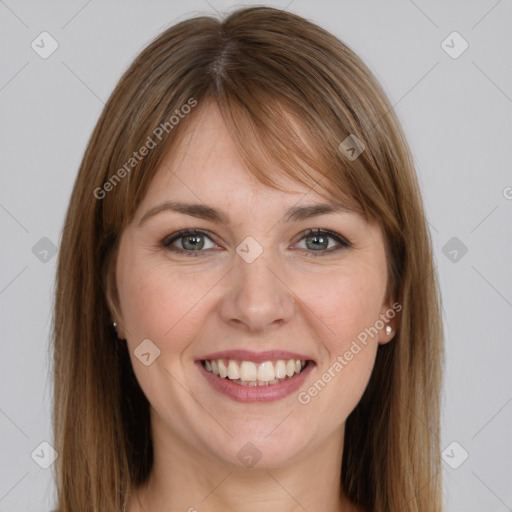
(248, 372)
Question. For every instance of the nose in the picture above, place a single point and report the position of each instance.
(257, 296)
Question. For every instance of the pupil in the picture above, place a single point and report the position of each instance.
(316, 245)
(196, 242)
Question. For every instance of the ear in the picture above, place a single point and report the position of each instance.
(112, 298)
(390, 317)
(115, 316)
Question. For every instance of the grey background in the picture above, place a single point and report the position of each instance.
(456, 113)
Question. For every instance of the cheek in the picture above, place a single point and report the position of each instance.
(348, 348)
(159, 303)
(346, 306)
(343, 384)
(165, 307)
(345, 302)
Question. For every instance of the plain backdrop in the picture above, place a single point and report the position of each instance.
(456, 109)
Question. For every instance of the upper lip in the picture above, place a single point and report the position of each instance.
(257, 357)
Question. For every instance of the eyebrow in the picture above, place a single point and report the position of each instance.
(203, 211)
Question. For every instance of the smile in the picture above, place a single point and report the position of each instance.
(249, 373)
(247, 376)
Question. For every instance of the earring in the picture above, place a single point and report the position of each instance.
(114, 325)
(388, 330)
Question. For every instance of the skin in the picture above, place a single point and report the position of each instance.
(287, 299)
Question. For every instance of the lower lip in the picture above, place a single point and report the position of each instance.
(268, 393)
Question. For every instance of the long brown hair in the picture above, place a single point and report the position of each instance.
(289, 92)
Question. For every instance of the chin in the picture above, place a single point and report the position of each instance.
(264, 446)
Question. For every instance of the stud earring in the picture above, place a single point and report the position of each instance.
(388, 330)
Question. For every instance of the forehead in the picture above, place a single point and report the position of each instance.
(204, 164)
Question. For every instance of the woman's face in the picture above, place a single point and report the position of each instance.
(251, 294)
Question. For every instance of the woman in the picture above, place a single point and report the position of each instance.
(246, 307)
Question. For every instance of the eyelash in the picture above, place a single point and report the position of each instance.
(344, 243)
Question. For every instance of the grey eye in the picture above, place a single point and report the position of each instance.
(192, 242)
(188, 241)
(317, 242)
(321, 241)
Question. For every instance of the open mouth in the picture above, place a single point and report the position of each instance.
(249, 373)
